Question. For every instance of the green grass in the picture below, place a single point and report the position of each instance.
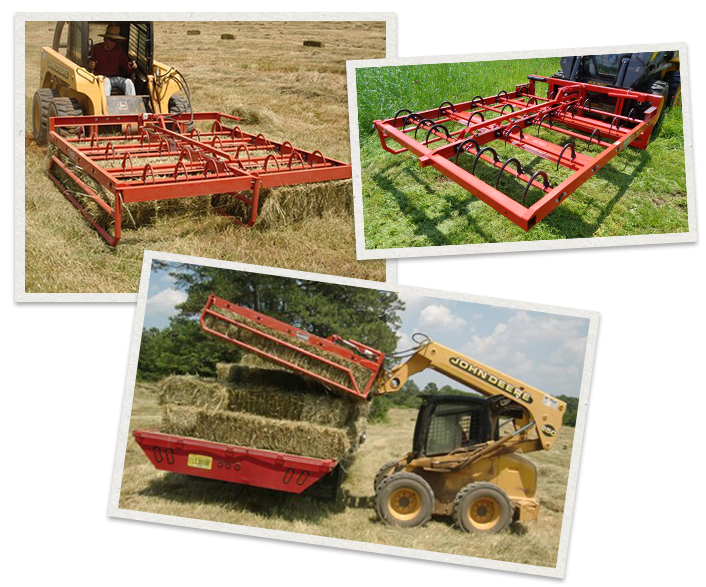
(404, 205)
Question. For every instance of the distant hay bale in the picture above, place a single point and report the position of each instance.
(298, 438)
(193, 32)
(179, 420)
(313, 43)
(227, 36)
(360, 373)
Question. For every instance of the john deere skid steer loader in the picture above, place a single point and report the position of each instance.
(68, 88)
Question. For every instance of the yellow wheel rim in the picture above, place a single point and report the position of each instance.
(484, 513)
(404, 504)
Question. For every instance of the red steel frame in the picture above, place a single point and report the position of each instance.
(224, 160)
(568, 103)
(235, 464)
(371, 360)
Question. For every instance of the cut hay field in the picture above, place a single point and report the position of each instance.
(147, 490)
(279, 87)
(639, 192)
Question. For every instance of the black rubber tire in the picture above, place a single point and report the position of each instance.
(382, 473)
(658, 87)
(673, 78)
(399, 492)
(179, 104)
(61, 106)
(501, 516)
(40, 115)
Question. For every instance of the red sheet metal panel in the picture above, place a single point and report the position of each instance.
(235, 464)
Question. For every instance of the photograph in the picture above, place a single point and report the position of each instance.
(262, 400)
(219, 139)
(508, 154)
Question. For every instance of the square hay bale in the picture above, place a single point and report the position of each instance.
(179, 420)
(187, 390)
(360, 373)
(268, 393)
(236, 428)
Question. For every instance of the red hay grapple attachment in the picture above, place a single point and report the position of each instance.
(179, 164)
(309, 348)
(594, 114)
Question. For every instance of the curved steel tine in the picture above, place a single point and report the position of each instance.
(529, 102)
(483, 150)
(394, 123)
(509, 132)
(597, 130)
(463, 144)
(588, 101)
(470, 118)
(473, 101)
(432, 129)
(573, 154)
(412, 115)
(421, 123)
(551, 122)
(531, 179)
(510, 160)
(453, 108)
(497, 98)
(519, 91)
(617, 126)
(502, 110)
(630, 114)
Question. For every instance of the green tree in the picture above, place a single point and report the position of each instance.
(366, 315)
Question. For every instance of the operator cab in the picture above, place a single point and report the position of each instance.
(78, 39)
(449, 422)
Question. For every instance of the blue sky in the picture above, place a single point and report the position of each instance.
(544, 350)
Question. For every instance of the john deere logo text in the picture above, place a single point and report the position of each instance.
(58, 69)
(490, 378)
(548, 429)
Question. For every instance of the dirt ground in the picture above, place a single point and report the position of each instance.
(146, 489)
(279, 87)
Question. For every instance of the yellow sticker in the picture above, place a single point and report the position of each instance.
(200, 462)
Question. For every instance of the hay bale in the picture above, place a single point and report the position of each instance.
(227, 37)
(271, 394)
(360, 373)
(179, 420)
(193, 32)
(313, 43)
(258, 362)
(297, 438)
(187, 390)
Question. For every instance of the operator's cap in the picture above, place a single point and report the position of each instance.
(113, 32)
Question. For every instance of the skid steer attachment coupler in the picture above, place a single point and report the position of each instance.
(343, 365)
(164, 157)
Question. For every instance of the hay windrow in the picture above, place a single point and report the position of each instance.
(298, 438)
(361, 374)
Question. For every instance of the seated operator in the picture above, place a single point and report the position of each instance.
(109, 60)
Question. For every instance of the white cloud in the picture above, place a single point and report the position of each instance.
(404, 341)
(441, 316)
(165, 301)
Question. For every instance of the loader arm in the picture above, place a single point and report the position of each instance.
(540, 408)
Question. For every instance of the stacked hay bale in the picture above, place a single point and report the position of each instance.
(268, 409)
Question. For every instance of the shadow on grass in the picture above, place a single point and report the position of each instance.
(428, 226)
(198, 491)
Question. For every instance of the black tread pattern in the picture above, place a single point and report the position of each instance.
(45, 97)
(62, 106)
(382, 472)
(404, 475)
(473, 487)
